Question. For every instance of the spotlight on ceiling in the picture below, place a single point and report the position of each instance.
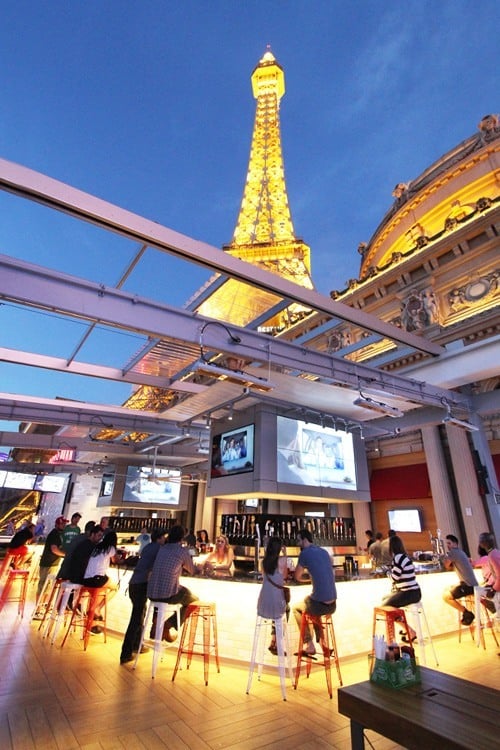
(369, 403)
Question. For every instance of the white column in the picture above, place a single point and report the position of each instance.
(444, 509)
(362, 521)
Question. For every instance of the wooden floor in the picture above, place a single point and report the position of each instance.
(64, 699)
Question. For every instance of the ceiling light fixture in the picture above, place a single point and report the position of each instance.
(370, 403)
(231, 376)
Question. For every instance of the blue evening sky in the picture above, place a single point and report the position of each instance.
(149, 106)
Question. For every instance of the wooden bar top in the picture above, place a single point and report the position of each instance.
(441, 712)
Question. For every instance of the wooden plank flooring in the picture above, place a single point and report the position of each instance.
(53, 699)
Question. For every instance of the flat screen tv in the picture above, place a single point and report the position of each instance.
(51, 482)
(233, 452)
(405, 519)
(17, 480)
(142, 485)
(313, 455)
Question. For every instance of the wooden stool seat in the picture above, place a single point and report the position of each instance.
(328, 645)
(259, 649)
(196, 612)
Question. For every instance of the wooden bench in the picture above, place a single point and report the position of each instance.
(442, 712)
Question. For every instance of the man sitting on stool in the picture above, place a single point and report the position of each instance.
(323, 598)
(456, 558)
(163, 585)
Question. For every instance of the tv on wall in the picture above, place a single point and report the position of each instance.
(143, 485)
(233, 452)
(51, 482)
(313, 455)
(405, 519)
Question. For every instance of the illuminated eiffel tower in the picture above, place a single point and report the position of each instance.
(264, 236)
(264, 233)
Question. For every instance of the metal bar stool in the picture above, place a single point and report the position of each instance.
(46, 600)
(164, 610)
(83, 614)
(418, 614)
(482, 619)
(59, 612)
(390, 615)
(328, 645)
(259, 645)
(204, 611)
(13, 576)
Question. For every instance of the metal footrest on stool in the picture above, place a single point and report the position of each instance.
(83, 613)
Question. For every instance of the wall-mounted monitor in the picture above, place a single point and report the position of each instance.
(405, 519)
(143, 485)
(233, 452)
(315, 456)
(17, 480)
(51, 482)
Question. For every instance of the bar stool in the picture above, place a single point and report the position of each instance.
(329, 647)
(204, 611)
(482, 619)
(259, 646)
(46, 600)
(13, 576)
(470, 605)
(390, 616)
(58, 613)
(85, 618)
(164, 610)
(418, 614)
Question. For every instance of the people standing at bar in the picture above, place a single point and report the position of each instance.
(164, 585)
(457, 559)
(138, 593)
(323, 598)
(143, 539)
(52, 551)
(271, 603)
(71, 531)
(405, 587)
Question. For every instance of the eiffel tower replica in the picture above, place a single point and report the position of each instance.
(264, 235)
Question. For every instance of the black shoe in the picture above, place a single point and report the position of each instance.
(95, 630)
(467, 617)
(126, 659)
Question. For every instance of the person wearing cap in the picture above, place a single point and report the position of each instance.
(49, 560)
(138, 593)
(71, 531)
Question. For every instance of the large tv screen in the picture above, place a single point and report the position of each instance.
(143, 485)
(17, 480)
(51, 482)
(233, 452)
(313, 455)
(405, 519)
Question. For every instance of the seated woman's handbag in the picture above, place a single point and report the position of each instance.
(285, 589)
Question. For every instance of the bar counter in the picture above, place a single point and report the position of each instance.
(236, 601)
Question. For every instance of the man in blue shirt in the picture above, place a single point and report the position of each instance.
(138, 592)
(323, 597)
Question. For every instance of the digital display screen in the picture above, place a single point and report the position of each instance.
(313, 455)
(143, 485)
(233, 452)
(405, 519)
(17, 480)
(50, 482)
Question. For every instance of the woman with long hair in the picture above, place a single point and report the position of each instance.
(271, 603)
(405, 587)
(96, 574)
(220, 562)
